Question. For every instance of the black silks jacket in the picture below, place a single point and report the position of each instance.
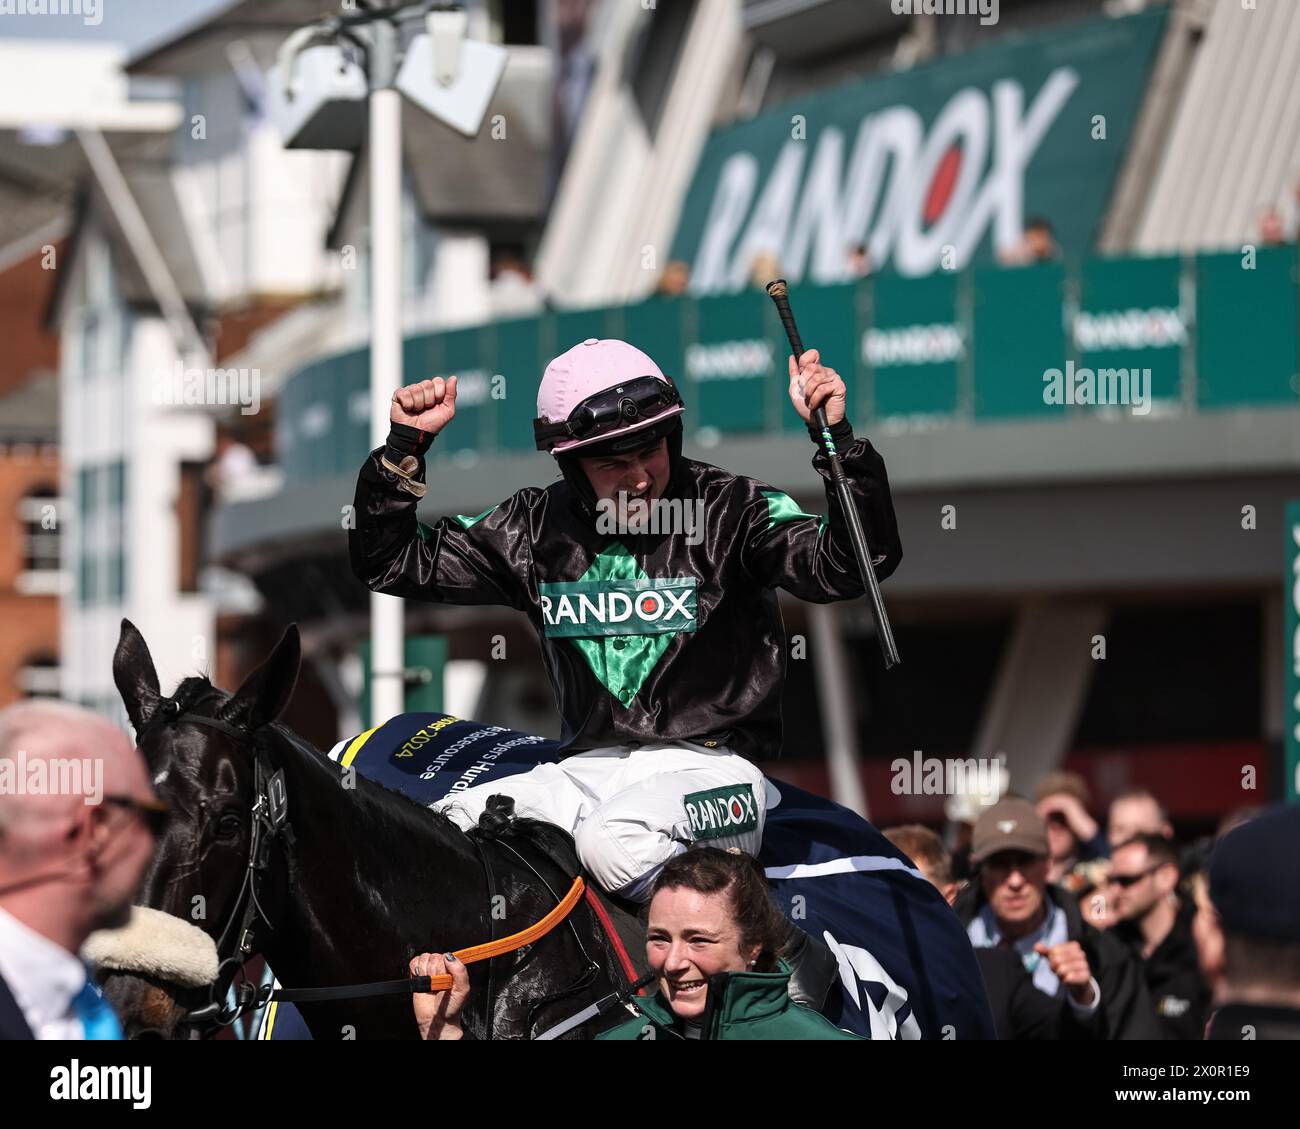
(646, 637)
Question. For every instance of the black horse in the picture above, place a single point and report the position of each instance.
(363, 880)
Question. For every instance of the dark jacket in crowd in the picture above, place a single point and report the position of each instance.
(1021, 1011)
(1179, 993)
(1254, 1021)
(1125, 1001)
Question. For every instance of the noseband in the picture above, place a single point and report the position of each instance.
(270, 821)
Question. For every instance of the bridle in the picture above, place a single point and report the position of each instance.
(270, 821)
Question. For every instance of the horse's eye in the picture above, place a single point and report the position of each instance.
(228, 825)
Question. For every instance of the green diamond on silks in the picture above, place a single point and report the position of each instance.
(619, 618)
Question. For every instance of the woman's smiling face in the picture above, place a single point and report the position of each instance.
(690, 937)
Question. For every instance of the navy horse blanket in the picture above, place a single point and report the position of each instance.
(907, 970)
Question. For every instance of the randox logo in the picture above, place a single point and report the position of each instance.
(618, 607)
(721, 812)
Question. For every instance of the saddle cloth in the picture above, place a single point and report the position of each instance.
(907, 970)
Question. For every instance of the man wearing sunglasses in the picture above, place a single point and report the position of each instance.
(76, 834)
(1143, 884)
(666, 652)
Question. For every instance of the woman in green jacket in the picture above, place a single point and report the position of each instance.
(712, 939)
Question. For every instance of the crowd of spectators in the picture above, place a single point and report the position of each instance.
(1119, 932)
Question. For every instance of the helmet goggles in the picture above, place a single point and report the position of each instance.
(624, 405)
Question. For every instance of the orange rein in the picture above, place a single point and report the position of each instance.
(489, 949)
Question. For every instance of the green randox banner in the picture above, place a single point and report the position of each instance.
(1291, 659)
(913, 349)
(929, 168)
(1131, 319)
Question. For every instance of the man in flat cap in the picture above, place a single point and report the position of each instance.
(1011, 905)
(1255, 887)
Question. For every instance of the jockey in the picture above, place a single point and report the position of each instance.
(650, 580)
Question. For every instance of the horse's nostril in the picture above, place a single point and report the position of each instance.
(148, 1033)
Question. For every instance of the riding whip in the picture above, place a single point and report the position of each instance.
(779, 292)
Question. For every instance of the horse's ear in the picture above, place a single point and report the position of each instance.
(135, 675)
(266, 692)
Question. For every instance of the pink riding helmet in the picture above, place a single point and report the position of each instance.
(588, 368)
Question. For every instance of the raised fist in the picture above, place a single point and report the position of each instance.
(428, 404)
(1070, 964)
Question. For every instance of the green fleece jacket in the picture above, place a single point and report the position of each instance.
(743, 1005)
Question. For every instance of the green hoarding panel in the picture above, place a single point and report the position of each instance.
(1130, 318)
(1016, 339)
(1246, 329)
(828, 322)
(573, 326)
(913, 347)
(419, 358)
(461, 353)
(518, 357)
(353, 384)
(732, 363)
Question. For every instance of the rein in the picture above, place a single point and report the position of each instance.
(441, 983)
(270, 821)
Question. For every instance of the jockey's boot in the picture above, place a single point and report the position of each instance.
(813, 966)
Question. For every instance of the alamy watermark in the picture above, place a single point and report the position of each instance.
(984, 777)
(224, 386)
(655, 516)
(52, 776)
(76, 1082)
(1130, 387)
(987, 10)
(90, 11)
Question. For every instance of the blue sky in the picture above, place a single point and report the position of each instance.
(134, 23)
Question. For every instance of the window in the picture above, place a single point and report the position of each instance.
(39, 514)
(101, 504)
(115, 547)
(87, 509)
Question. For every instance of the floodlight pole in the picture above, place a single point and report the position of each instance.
(384, 146)
(380, 41)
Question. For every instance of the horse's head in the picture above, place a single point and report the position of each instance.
(205, 753)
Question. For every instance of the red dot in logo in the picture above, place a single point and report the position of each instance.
(945, 179)
(648, 604)
(736, 810)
